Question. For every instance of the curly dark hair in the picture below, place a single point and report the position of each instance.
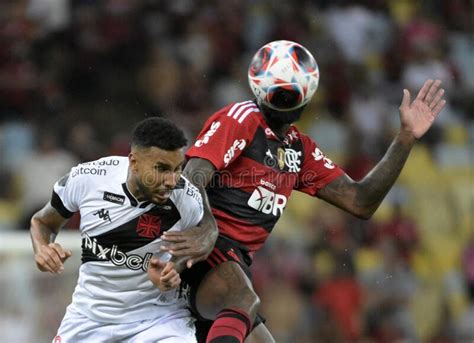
(158, 132)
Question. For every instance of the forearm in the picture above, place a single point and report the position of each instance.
(41, 234)
(200, 172)
(196, 243)
(373, 188)
(208, 219)
(179, 262)
(364, 197)
(45, 225)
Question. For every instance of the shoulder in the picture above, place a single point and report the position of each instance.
(187, 195)
(241, 111)
(294, 134)
(313, 152)
(189, 191)
(308, 145)
(238, 113)
(188, 201)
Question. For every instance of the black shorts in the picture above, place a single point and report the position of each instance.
(225, 250)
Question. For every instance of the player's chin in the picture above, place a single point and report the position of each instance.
(160, 198)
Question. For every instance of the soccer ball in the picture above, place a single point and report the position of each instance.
(283, 75)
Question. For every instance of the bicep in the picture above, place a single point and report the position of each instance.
(199, 171)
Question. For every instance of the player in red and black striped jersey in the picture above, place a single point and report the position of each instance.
(256, 171)
(250, 157)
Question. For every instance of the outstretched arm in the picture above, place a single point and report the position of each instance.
(362, 198)
(197, 243)
(45, 225)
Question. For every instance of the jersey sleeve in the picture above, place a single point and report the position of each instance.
(194, 206)
(226, 135)
(317, 170)
(67, 193)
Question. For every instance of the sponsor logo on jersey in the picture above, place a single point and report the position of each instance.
(111, 162)
(267, 184)
(94, 168)
(292, 136)
(269, 132)
(267, 201)
(318, 156)
(103, 214)
(115, 198)
(239, 144)
(114, 255)
(212, 130)
(180, 293)
(149, 226)
(89, 171)
(194, 193)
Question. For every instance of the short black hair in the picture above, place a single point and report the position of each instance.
(158, 132)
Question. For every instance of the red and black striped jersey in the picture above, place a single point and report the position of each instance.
(256, 171)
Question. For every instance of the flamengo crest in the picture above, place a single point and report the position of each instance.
(292, 160)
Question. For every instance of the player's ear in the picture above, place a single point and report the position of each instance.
(133, 161)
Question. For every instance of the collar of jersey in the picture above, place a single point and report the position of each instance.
(133, 201)
(273, 136)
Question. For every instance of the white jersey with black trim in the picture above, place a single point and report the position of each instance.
(119, 236)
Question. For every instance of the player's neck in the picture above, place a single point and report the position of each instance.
(273, 119)
(279, 129)
(134, 189)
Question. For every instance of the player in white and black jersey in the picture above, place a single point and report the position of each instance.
(125, 204)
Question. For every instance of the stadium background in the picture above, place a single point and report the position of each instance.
(75, 75)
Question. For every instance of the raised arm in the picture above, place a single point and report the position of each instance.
(45, 225)
(362, 198)
(198, 242)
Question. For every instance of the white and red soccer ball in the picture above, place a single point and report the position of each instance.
(283, 75)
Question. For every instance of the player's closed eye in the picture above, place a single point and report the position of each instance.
(161, 169)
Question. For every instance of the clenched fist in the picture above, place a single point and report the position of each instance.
(163, 275)
(51, 257)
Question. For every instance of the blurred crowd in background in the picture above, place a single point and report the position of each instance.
(75, 75)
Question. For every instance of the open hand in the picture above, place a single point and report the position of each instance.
(163, 275)
(51, 258)
(197, 243)
(417, 117)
